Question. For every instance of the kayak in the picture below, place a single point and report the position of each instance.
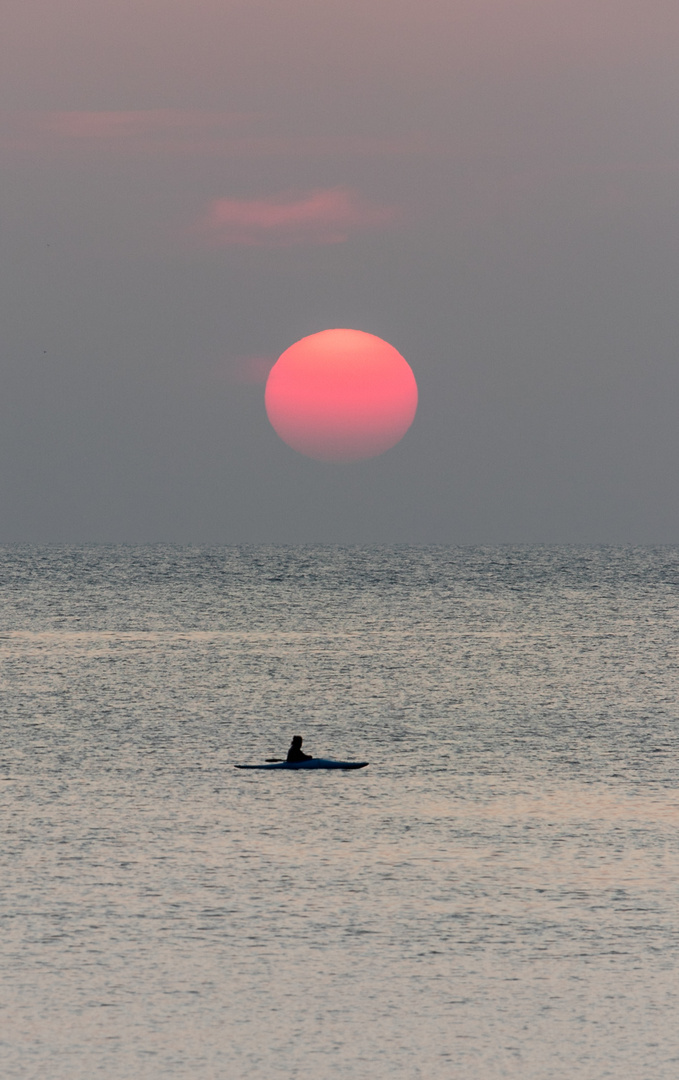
(313, 763)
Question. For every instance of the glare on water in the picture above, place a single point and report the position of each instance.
(497, 895)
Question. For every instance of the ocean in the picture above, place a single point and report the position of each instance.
(495, 896)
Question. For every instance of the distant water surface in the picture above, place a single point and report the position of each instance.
(496, 896)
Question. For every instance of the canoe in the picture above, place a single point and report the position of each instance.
(314, 763)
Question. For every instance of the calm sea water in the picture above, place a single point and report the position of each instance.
(497, 895)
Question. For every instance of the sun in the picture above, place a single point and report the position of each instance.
(341, 395)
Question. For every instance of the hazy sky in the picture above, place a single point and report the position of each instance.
(190, 186)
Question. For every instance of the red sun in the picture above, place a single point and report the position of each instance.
(341, 395)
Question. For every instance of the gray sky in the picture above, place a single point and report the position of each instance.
(498, 183)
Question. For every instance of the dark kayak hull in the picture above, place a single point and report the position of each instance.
(315, 763)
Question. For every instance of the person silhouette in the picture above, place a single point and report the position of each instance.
(295, 753)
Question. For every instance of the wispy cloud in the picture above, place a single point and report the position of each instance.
(163, 132)
(136, 124)
(322, 216)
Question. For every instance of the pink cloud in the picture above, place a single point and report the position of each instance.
(134, 133)
(323, 216)
(144, 132)
(117, 125)
(188, 132)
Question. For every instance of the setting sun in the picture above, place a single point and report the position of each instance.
(341, 395)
